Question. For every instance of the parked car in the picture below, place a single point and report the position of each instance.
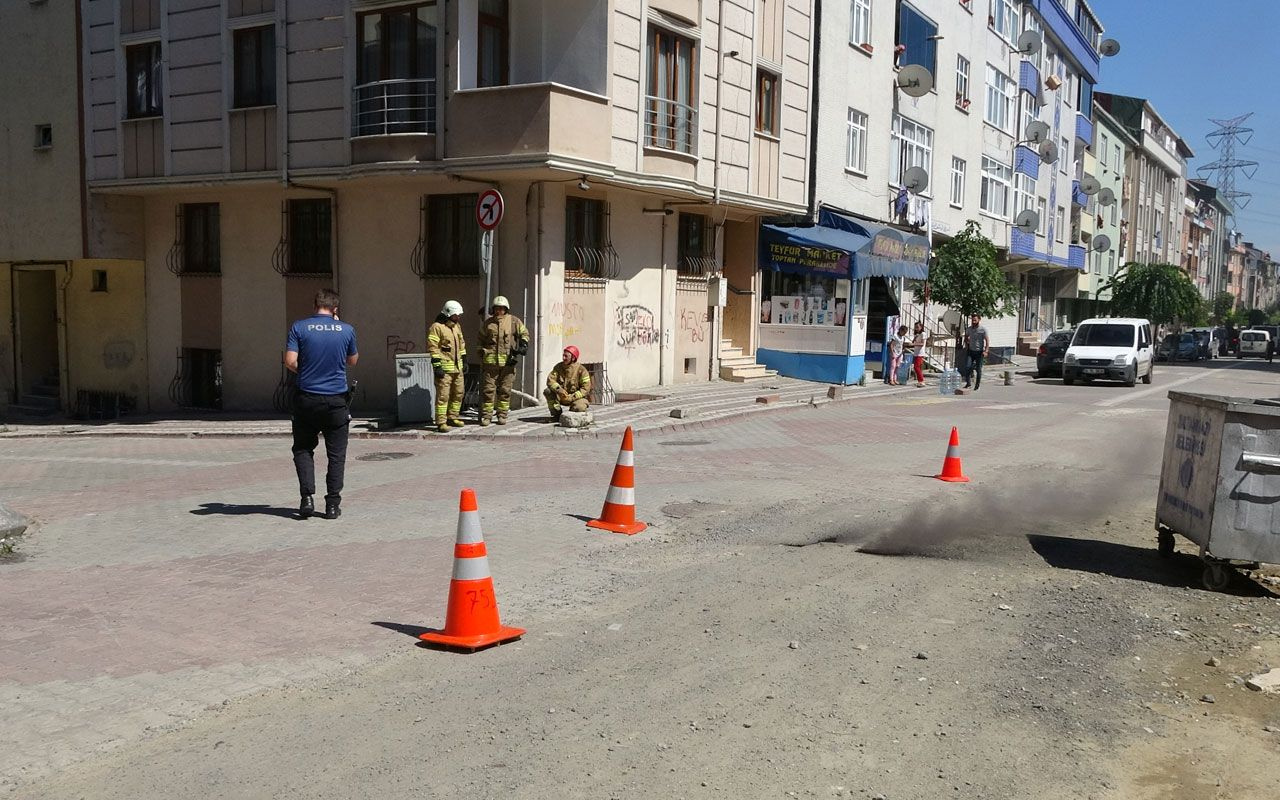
(1113, 349)
(1051, 352)
(1179, 347)
(1256, 343)
(1207, 339)
(1272, 330)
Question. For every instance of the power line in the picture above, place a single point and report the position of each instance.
(1222, 173)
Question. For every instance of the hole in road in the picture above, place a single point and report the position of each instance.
(383, 456)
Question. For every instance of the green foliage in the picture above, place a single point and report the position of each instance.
(1223, 302)
(1256, 316)
(967, 278)
(1161, 293)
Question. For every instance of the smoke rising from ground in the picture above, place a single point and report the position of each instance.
(941, 523)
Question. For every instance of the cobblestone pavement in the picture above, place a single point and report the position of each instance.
(166, 576)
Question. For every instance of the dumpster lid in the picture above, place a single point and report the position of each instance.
(1240, 405)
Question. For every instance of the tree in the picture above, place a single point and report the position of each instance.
(1256, 316)
(966, 277)
(1223, 302)
(1161, 293)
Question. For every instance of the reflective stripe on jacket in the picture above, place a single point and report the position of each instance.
(447, 347)
(499, 336)
(573, 378)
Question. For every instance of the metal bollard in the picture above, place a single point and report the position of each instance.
(1008, 377)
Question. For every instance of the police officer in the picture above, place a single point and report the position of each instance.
(503, 339)
(319, 350)
(448, 350)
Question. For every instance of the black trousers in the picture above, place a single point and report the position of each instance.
(315, 415)
(974, 369)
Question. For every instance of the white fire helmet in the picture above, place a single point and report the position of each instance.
(501, 301)
(451, 308)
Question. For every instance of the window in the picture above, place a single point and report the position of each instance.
(1059, 223)
(670, 114)
(1024, 192)
(855, 159)
(1111, 263)
(1114, 207)
(201, 238)
(1004, 18)
(396, 71)
(995, 187)
(962, 81)
(1064, 155)
(492, 37)
(143, 71)
(44, 136)
(916, 33)
(310, 237)
(1103, 148)
(1030, 113)
(912, 146)
(767, 98)
(1031, 23)
(1084, 97)
(1116, 151)
(807, 299)
(586, 236)
(860, 22)
(957, 182)
(453, 236)
(1087, 25)
(1000, 93)
(696, 246)
(1042, 208)
(98, 280)
(255, 67)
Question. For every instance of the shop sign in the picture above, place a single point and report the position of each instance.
(797, 257)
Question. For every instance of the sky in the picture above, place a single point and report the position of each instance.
(1202, 60)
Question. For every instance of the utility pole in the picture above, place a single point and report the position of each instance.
(1222, 173)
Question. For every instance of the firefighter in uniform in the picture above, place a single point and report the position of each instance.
(569, 384)
(448, 350)
(503, 339)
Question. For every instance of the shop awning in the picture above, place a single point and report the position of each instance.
(886, 252)
(814, 249)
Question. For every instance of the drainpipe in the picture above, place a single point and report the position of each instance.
(282, 93)
(720, 57)
(814, 97)
(662, 302)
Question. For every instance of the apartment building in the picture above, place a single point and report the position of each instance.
(72, 336)
(1111, 146)
(275, 147)
(1155, 179)
(1205, 216)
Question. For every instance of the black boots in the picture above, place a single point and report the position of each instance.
(307, 507)
(331, 509)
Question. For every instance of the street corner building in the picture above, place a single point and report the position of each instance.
(212, 165)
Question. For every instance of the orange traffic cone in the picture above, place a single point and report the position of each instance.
(471, 621)
(619, 514)
(952, 472)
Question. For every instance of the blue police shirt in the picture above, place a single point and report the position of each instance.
(323, 345)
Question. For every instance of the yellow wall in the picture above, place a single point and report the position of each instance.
(106, 331)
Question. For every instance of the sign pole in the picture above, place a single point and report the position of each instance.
(486, 264)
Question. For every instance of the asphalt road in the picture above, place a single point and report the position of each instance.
(811, 614)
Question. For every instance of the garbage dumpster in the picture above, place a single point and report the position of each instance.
(1220, 481)
(415, 389)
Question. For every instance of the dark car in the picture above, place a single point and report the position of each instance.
(1207, 341)
(1178, 347)
(1049, 355)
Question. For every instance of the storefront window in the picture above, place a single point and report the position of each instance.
(804, 299)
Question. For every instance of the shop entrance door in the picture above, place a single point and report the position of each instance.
(37, 364)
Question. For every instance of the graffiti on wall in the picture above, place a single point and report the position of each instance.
(118, 354)
(694, 324)
(637, 327)
(566, 319)
(396, 346)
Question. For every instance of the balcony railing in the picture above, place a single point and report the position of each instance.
(670, 125)
(383, 108)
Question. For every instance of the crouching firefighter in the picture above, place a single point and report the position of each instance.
(448, 350)
(503, 339)
(569, 384)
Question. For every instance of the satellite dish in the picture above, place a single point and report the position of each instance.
(1029, 43)
(1027, 221)
(914, 80)
(1049, 152)
(1109, 47)
(916, 180)
(1037, 131)
(1089, 185)
(1101, 242)
(1106, 197)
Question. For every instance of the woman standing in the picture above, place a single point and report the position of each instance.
(917, 352)
(896, 343)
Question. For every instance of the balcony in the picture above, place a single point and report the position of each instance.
(670, 125)
(1076, 256)
(1084, 129)
(393, 120)
(1026, 161)
(1028, 78)
(529, 120)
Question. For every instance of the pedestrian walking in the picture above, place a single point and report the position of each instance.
(448, 350)
(503, 339)
(896, 342)
(319, 350)
(976, 346)
(918, 340)
(568, 384)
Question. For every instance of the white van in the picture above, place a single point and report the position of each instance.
(1110, 349)
(1255, 342)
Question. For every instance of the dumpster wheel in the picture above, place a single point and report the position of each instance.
(1216, 576)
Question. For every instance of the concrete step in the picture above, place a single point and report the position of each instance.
(40, 401)
(741, 375)
(20, 411)
(737, 361)
(731, 352)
